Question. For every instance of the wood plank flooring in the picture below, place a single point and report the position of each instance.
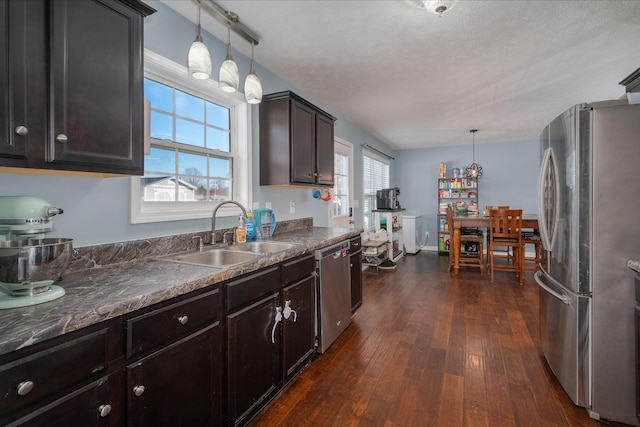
(430, 349)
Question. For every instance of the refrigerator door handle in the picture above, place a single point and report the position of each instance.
(548, 236)
(565, 299)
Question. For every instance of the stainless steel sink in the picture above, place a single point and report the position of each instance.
(214, 257)
(264, 247)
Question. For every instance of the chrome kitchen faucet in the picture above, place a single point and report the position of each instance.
(213, 217)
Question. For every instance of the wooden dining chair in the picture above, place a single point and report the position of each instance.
(531, 237)
(498, 251)
(467, 258)
(506, 231)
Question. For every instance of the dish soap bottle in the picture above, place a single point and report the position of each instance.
(251, 227)
(241, 231)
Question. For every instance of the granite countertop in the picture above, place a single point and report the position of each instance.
(634, 264)
(98, 294)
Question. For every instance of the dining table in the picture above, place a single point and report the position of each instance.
(529, 221)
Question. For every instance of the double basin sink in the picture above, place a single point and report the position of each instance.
(228, 255)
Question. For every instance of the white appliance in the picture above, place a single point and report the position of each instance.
(588, 213)
(412, 230)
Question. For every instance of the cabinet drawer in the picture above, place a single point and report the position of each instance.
(159, 327)
(294, 270)
(44, 374)
(251, 288)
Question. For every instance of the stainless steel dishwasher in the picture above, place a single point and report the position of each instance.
(333, 284)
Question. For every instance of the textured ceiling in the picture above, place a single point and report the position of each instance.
(413, 79)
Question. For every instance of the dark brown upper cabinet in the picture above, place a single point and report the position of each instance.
(82, 109)
(296, 142)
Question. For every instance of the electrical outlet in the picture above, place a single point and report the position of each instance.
(267, 205)
(292, 207)
(426, 234)
(256, 205)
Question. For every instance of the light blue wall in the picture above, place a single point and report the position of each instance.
(510, 177)
(97, 210)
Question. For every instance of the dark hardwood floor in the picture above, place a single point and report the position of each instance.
(430, 349)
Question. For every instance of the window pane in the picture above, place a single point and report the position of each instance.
(218, 139)
(160, 160)
(156, 188)
(217, 115)
(161, 126)
(219, 167)
(220, 189)
(192, 189)
(192, 164)
(189, 133)
(160, 96)
(189, 106)
(375, 177)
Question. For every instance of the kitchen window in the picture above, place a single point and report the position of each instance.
(197, 153)
(376, 177)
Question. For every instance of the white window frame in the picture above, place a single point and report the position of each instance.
(381, 159)
(167, 72)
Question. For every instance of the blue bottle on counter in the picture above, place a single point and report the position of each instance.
(250, 225)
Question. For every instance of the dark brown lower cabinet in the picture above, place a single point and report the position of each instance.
(253, 359)
(355, 262)
(298, 330)
(179, 384)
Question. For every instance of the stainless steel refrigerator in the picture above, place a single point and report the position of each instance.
(589, 215)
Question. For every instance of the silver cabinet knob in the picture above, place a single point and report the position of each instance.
(138, 390)
(104, 410)
(183, 320)
(62, 138)
(25, 388)
(21, 130)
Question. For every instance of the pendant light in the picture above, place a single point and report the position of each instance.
(252, 85)
(474, 170)
(199, 58)
(229, 77)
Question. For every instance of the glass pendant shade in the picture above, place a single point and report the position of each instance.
(199, 59)
(252, 85)
(229, 76)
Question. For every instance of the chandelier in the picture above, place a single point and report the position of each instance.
(474, 170)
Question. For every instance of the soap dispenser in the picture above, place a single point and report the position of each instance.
(241, 231)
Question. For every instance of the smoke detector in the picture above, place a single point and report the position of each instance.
(437, 7)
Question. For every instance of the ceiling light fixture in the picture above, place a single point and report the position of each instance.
(474, 170)
(252, 85)
(437, 7)
(229, 76)
(199, 58)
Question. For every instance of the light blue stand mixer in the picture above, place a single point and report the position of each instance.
(29, 262)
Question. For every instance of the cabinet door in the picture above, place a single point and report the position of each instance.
(324, 150)
(303, 143)
(178, 385)
(298, 331)
(253, 362)
(13, 79)
(96, 87)
(356, 281)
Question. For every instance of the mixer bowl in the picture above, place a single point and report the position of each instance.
(33, 261)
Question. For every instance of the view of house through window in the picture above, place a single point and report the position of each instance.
(376, 177)
(190, 157)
